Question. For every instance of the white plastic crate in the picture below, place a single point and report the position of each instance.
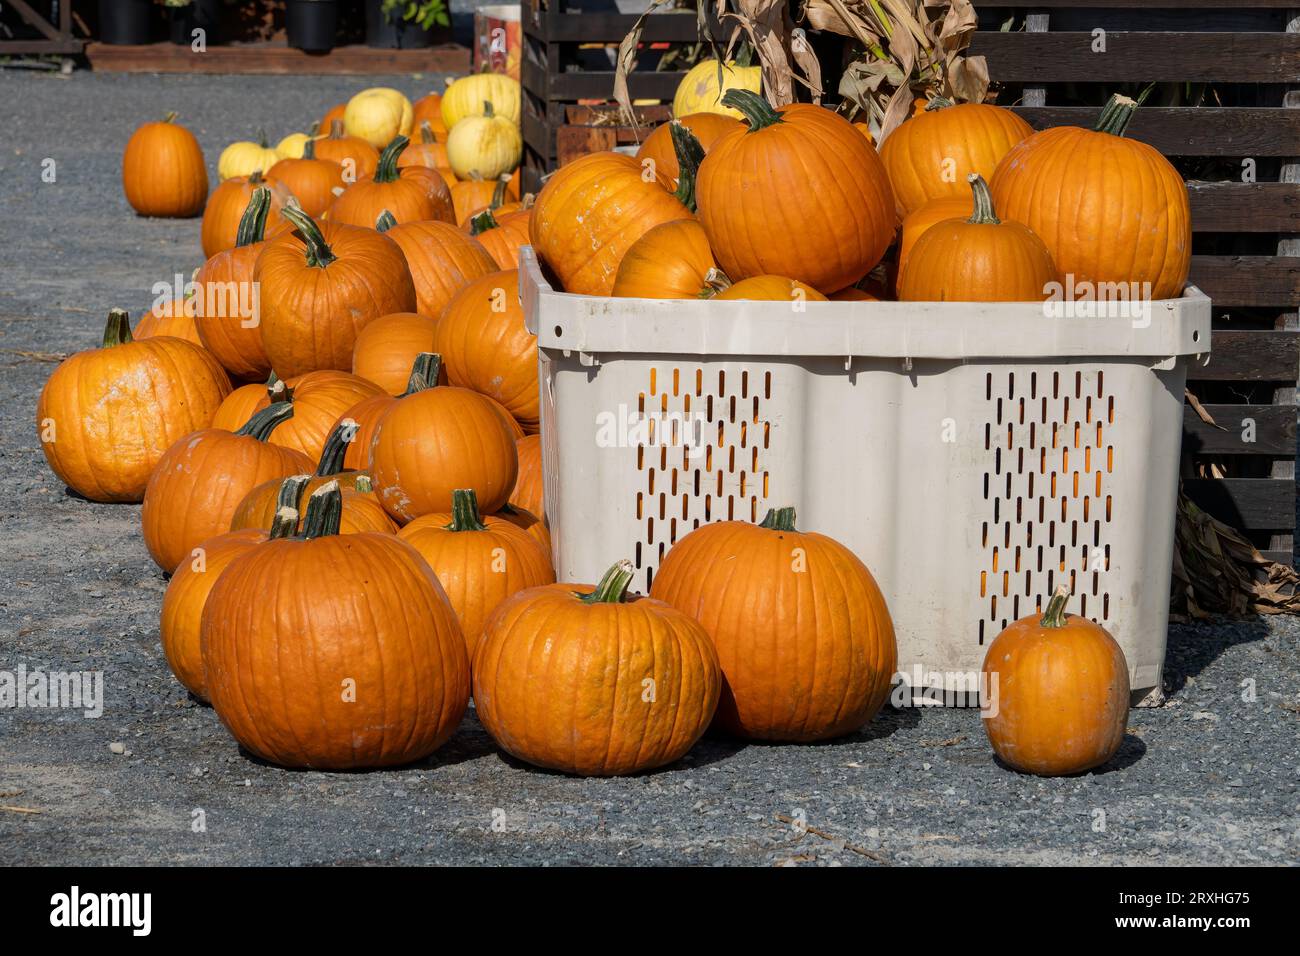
(970, 454)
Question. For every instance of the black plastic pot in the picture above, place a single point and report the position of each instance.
(126, 22)
(197, 15)
(311, 25)
(395, 34)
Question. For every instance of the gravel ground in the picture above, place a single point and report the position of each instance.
(1209, 778)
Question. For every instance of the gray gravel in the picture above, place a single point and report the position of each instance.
(1209, 778)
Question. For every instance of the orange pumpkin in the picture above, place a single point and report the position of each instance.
(930, 155)
(853, 294)
(428, 109)
(200, 480)
(865, 130)
(226, 207)
(334, 652)
(106, 416)
(239, 406)
(427, 151)
(535, 526)
(437, 439)
(671, 261)
(658, 147)
(441, 259)
(264, 505)
(319, 399)
(387, 346)
(174, 317)
(919, 220)
(503, 236)
(629, 684)
(1060, 692)
(745, 196)
(333, 115)
(412, 194)
(980, 259)
(163, 172)
(471, 196)
(773, 289)
(484, 344)
(529, 490)
(367, 414)
(802, 633)
(312, 180)
(320, 286)
(1109, 209)
(357, 157)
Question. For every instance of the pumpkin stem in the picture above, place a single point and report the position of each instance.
(464, 511)
(483, 222)
(387, 171)
(779, 519)
(424, 373)
(290, 492)
(336, 447)
(689, 156)
(263, 423)
(1116, 115)
(499, 193)
(612, 588)
(488, 111)
(336, 129)
(318, 251)
(252, 224)
(983, 214)
(278, 390)
(756, 110)
(1054, 616)
(744, 54)
(309, 149)
(385, 221)
(171, 116)
(324, 510)
(938, 103)
(285, 523)
(715, 281)
(261, 139)
(256, 178)
(426, 133)
(363, 484)
(117, 331)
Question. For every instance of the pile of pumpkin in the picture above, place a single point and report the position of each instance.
(356, 535)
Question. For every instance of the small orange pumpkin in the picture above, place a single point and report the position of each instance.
(471, 196)
(163, 172)
(412, 194)
(239, 406)
(671, 261)
(319, 399)
(658, 147)
(357, 157)
(427, 152)
(771, 289)
(266, 503)
(441, 259)
(387, 346)
(226, 207)
(919, 220)
(502, 236)
(174, 317)
(312, 180)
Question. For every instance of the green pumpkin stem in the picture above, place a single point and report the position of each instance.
(744, 54)
(499, 193)
(779, 519)
(424, 373)
(263, 423)
(612, 588)
(117, 331)
(171, 116)
(252, 224)
(983, 214)
(938, 103)
(261, 139)
(309, 149)
(1116, 115)
(256, 178)
(385, 221)
(324, 511)
(689, 156)
(387, 171)
(336, 448)
(464, 511)
(426, 133)
(1054, 616)
(362, 484)
(284, 524)
(756, 110)
(482, 223)
(290, 493)
(319, 254)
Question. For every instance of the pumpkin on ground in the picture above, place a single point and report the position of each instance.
(357, 157)
(387, 346)
(919, 220)
(980, 259)
(226, 207)
(658, 148)
(441, 260)
(106, 416)
(489, 145)
(700, 90)
(1108, 208)
(437, 439)
(671, 261)
(590, 682)
(334, 652)
(174, 317)
(200, 480)
(320, 286)
(377, 115)
(1060, 692)
(318, 399)
(412, 194)
(312, 180)
(361, 511)
(163, 172)
(528, 493)
(466, 97)
(772, 289)
(802, 633)
(479, 561)
(245, 158)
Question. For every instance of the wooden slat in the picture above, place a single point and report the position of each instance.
(1245, 207)
(1252, 504)
(1272, 427)
(1281, 557)
(600, 85)
(1248, 280)
(275, 59)
(1140, 57)
(1250, 356)
(1191, 131)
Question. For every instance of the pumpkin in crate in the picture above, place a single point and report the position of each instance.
(188, 591)
(174, 317)
(485, 347)
(245, 158)
(744, 197)
(853, 294)
(227, 311)
(361, 511)
(1059, 692)
(932, 154)
(320, 286)
(502, 236)
(802, 633)
(703, 88)
(377, 115)
(591, 682)
(441, 259)
(528, 493)
(163, 172)
(425, 151)
(479, 561)
(106, 416)
(357, 157)
(488, 144)
(1108, 208)
(312, 180)
(226, 207)
(467, 97)
(439, 438)
(201, 479)
(412, 194)
(319, 399)
(980, 259)
(387, 346)
(671, 261)
(334, 652)
(239, 406)
(772, 289)
(658, 149)
(919, 220)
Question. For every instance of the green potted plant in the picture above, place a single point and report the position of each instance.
(311, 25)
(404, 24)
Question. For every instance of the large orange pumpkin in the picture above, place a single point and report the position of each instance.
(980, 259)
(226, 207)
(437, 439)
(802, 632)
(529, 491)
(200, 480)
(930, 155)
(319, 399)
(658, 147)
(320, 286)
(163, 173)
(411, 194)
(1059, 692)
(1109, 209)
(357, 157)
(800, 193)
(919, 220)
(671, 261)
(479, 561)
(593, 683)
(484, 344)
(441, 259)
(312, 180)
(387, 346)
(106, 416)
(334, 652)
